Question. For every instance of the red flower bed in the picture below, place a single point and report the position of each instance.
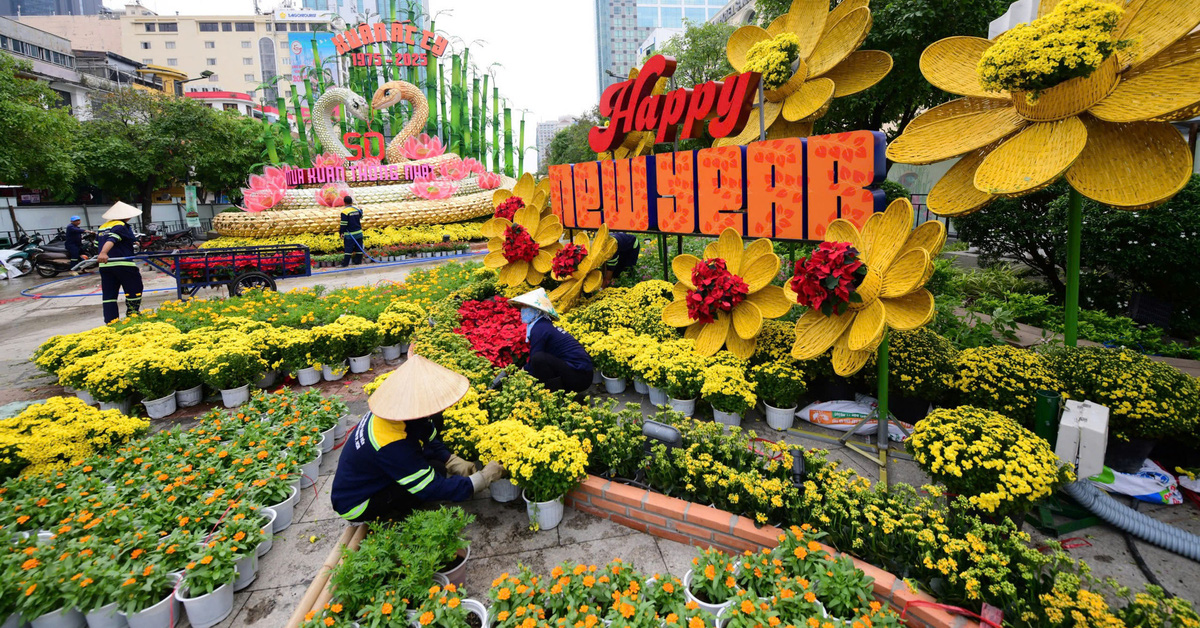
(717, 290)
(519, 245)
(566, 261)
(509, 207)
(494, 329)
(220, 267)
(826, 279)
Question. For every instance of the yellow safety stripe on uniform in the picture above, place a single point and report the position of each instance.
(356, 512)
(115, 264)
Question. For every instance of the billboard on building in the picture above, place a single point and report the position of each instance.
(303, 15)
(301, 50)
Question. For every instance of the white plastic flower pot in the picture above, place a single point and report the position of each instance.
(247, 571)
(685, 406)
(235, 397)
(339, 430)
(85, 397)
(161, 407)
(391, 353)
(123, 406)
(727, 418)
(308, 376)
(268, 541)
(546, 515)
(268, 379)
(328, 440)
(361, 364)
(106, 616)
(613, 385)
(596, 377)
(165, 614)
(209, 609)
(310, 471)
(476, 608)
(284, 511)
(504, 491)
(658, 396)
(640, 386)
(780, 418)
(458, 575)
(334, 373)
(349, 421)
(13, 621)
(715, 609)
(190, 397)
(61, 618)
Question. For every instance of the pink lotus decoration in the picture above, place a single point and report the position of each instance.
(434, 190)
(473, 165)
(489, 181)
(332, 194)
(265, 190)
(422, 147)
(457, 169)
(327, 159)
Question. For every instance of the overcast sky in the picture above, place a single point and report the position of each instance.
(547, 47)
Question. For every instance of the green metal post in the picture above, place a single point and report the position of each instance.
(662, 253)
(1074, 235)
(1045, 415)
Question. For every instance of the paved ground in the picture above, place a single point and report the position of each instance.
(500, 538)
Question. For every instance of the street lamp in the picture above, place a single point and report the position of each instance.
(203, 75)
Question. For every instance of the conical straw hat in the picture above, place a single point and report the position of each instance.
(418, 388)
(538, 300)
(121, 211)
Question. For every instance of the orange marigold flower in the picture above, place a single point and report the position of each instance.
(426, 618)
(206, 560)
(747, 607)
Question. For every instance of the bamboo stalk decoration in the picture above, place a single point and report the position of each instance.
(495, 129)
(508, 142)
(483, 119)
(465, 106)
(455, 104)
(444, 124)
(308, 95)
(269, 140)
(476, 121)
(305, 156)
(288, 153)
(412, 69)
(521, 152)
(432, 80)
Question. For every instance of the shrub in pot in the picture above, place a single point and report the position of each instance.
(442, 531)
(147, 591)
(548, 466)
(207, 588)
(920, 364)
(444, 607)
(728, 391)
(1003, 379)
(780, 387)
(398, 321)
(684, 369)
(95, 585)
(230, 365)
(711, 581)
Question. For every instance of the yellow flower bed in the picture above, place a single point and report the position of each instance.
(62, 431)
(1003, 378)
(387, 236)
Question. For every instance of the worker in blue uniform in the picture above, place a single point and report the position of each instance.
(629, 248)
(74, 240)
(394, 459)
(116, 241)
(555, 358)
(350, 229)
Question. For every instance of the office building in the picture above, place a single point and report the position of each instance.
(12, 8)
(655, 41)
(623, 25)
(736, 13)
(545, 134)
(350, 9)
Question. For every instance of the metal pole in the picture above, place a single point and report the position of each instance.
(662, 253)
(1045, 415)
(762, 115)
(882, 418)
(1074, 235)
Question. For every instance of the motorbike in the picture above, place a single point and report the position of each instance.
(16, 261)
(166, 241)
(51, 259)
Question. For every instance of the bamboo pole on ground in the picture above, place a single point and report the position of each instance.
(320, 583)
(360, 533)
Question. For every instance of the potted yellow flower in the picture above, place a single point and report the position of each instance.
(396, 324)
(779, 386)
(549, 466)
(230, 368)
(727, 390)
(685, 375)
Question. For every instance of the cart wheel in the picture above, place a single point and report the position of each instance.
(252, 279)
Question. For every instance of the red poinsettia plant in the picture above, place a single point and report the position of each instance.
(567, 260)
(509, 207)
(826, 280)
(519, 245)
(717, 290)
(494, 329)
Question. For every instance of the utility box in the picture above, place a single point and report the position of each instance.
(1083, 437)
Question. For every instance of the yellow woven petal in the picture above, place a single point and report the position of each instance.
(956, 108)
(549, 231)
(581, 239)
(754, 250)
(740, 43)
(544, 186)
(1152, 94)
(514, 273)
(563, 293)
(905, 274)
(884, 234)
(525, 187)
(955, 194)
(1186, 49)
(860, 71)
(747, 319)
(712, 250)
(841, 40)
(679, 292)
(495, 259)
(529, 217)
(815, 333)
(811, 98)
(534, 277)
(693, 331)
(676, 314)
(806, 18)
(867, 328)
(495, 244)
(683, 265)
(778, 25)
(712, 336)
(1033, 158)
(950, 64)
(1154, 25)
(847, 362)
(1046, 6)
(592, 281)
(543, 261)
(951, 137)
(495, 228)
(929, 236)
(771, 301)
(842, 10)
(1132, 165)
(909, 311)
(741, 347)
(499, 196)
(761, 271)
(771, 111)
(842, 230)
(729, 248)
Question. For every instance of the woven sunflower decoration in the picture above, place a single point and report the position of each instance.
(1093, 103)
(637, 143)
(524, 193)
(579, 265)
(857, 284)
(807, 56)
(523, 248)
(723, 299)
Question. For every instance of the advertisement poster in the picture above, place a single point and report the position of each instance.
(189, 198)
(300, 48)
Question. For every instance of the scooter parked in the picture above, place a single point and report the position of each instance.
(51, 259)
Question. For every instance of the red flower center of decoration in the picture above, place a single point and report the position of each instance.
(494, 329)
(826, 280)
(509, 207)
(567, 260)
(717, 290)
(519, 245)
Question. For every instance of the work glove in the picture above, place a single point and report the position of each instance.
(458, 466)
(491, 472)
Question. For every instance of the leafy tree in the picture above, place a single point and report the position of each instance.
(36, 132)
(570, 145)
(700, 53)
(1029, 229)
(235, 145)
